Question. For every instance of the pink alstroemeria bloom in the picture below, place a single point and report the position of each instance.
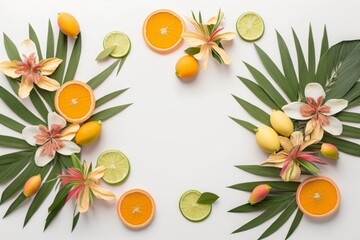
(84, 185)
(292, 151)
(31, 70)
(317, 112)
(51, 139)
(207, 40)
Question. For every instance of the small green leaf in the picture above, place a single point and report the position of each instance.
(261, 170)
(249, 126)
(275, 185)
(207, 198)
(13, 142)
(105, 53)
(75, 221)
(121, 64)
(108, 113)
(76, 162)
(61, 53)
(295, 223)
(11, 123)
(348, 116)
(33, 37)
(11, 49)
(309, 166)
(108, 97)
(39, 104)
(50, 49)
(74, 60)
(192, 50)
(100, 78)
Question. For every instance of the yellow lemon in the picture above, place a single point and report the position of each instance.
(88, 132)
(267, 139)
(281, 123)
(68, 24)
(187, 66)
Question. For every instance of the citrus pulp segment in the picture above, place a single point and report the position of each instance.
(162, 31)
(250, 26)
(318, 196)
(75, 101)
(117, 166)
(192, 210)
(136, 208)
(121, 42)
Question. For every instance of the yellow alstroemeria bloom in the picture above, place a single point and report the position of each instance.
(31, 70)
(85, 185)
(208, 40)
(292, 152)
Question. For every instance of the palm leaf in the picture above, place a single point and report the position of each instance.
(39, 104)
(280, 220)
(109, 97)
(50, 49)
(10, 170)
(304, 78)
(350, 131)
(15, 157)
(121, 64)
(47, 96)
(61, 53)
(311, 55)
(249, 126)
(261, 170)
(33, 37)
(343, 145)
(276, 74)
(353, 93)
(108, 113)
(324, 43)
(10, 123)
(57, 205)
(11, 49)
(18, 108)
(355, 102)
(348, 117)
(75, 221)
(295, 223)
(74, 60)
(275, 185)
(100, 78)
(254, 111)
(13, 142)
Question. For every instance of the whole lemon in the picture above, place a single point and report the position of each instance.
(281, 123)
(187, 66)
(267, 139)
(68, 24)
(88, 132)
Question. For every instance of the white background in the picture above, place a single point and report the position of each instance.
(179, 136)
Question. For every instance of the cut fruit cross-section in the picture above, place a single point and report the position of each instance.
(121, 42)
(192, 210)
(117, 166)
(250, 26)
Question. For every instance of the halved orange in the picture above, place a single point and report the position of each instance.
(75, 101)
(318, 196)
(136, 208)
(162, 31)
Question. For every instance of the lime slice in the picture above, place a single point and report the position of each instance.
(117, 166)
(120, 40)
(250, 26)
(192, 210)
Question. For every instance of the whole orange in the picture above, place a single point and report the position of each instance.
(68, 24)
(187, 66)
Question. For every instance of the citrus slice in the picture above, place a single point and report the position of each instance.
(192, 210)
(250, 26)
(136, 208)
(117, 166)
(121, 42)
(162, 31)
(75, 101)
(318, 196)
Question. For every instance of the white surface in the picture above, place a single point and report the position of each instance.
(178, 136)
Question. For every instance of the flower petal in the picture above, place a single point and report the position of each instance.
(54, 118)
(335, 126)
(42, 160)
(49, 65)
(285, 143)
(101, 193)
(292, 110)
(226, 36)
(69, 133)
(224, 56)
(297, 138)
(214, 19)
(47, 83)
(204, 55)
(69, 148)
(314, 90)
(25, 88)
(276, 158)
(28, 47)
(9, 68)
(29, 133)
(317, 133)
(195, 24)
(292, 172)
(97, 173)
(194, 39)
(84, 200)
(336, 105)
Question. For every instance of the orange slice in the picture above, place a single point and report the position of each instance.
(318, 196)
(136, 208)
(162, 31)
(75, 101)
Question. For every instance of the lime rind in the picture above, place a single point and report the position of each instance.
(190, 209)
(120, 40)
(250, 26)
(117, 164)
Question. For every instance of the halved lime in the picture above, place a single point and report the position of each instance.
(250, 26)
(192, 210)
(117, 166)
(120, 40)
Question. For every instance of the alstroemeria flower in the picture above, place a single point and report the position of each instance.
(207, 37)
(318, 112)
(31, 70)
(84, 185)
(293, 151)
(51, 139)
